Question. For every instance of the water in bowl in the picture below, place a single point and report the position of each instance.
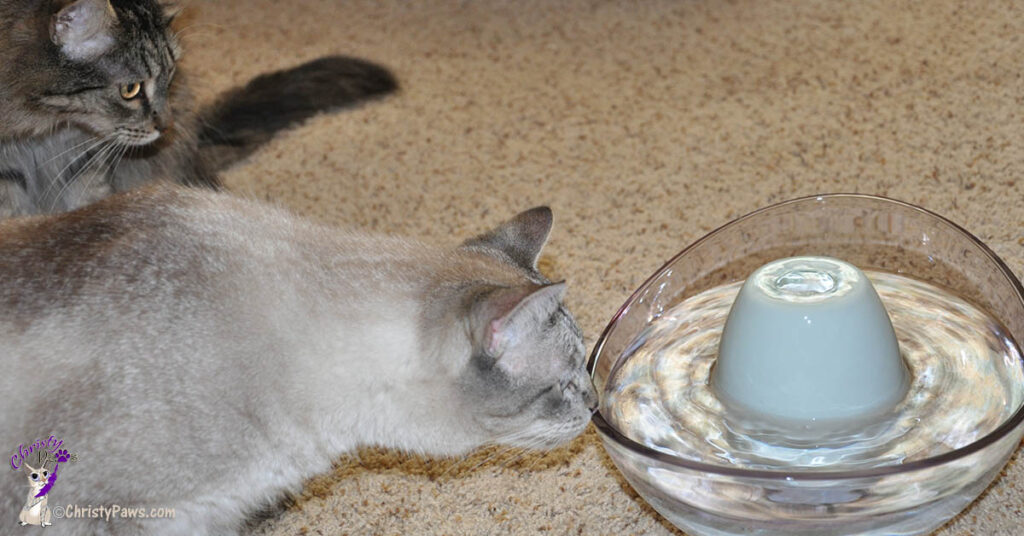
(966, 379)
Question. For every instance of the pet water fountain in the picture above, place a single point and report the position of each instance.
(840, 364)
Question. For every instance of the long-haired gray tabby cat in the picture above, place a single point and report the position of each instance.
(204, 353)
(91, 103)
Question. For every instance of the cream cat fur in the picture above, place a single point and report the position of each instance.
(206, 353)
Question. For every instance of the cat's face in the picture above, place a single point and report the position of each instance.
(37, 477)
(526, 383)
(531, 388)
(118, 63)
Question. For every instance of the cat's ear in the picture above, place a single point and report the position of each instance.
(508, 316)
(28, 469)
(520, 238)
(171, 10)
(83, 29)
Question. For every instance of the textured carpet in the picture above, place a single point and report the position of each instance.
(643, 125)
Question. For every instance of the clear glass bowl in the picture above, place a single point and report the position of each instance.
(871, 233)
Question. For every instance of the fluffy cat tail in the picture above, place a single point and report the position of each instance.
(244, 118)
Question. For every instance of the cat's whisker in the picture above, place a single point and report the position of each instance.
(523, 452)
(517, 435)
(495, 455)
(195, 38)
(503, 444)
(539, 457)
(181, 35)
(96, 162)
(57, 178)
(107, 166)
(538, 443)
(461, 462)
(455, 464)
(100, 164)
(114, 162)
(70, 149)
(99, 157)
(524, 449)
(538, 447)
(97, 142)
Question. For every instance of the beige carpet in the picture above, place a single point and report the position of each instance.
(643, 126)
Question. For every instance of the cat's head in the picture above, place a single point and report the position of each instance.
(526, 380)
(114, 68)
(37, 469)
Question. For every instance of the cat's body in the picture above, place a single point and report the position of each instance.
(36, 510)
(205, 353)
(91, 103)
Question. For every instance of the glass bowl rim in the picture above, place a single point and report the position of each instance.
(978, 445)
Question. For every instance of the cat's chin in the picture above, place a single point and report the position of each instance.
(137, 139)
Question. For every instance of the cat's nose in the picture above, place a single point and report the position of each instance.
(590, 396)
(162, 122)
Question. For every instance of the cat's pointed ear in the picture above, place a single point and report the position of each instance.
(171, 10)
(83, 29)
(520, 238)
(508, 316)
(27, 468)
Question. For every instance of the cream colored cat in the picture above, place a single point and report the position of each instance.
(36, 511)
(205, 353)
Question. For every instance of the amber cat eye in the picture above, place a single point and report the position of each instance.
(130, 91)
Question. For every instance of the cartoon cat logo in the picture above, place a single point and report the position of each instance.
(36, 512)
(40, 467)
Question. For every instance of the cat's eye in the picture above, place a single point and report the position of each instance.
(44, 474)
(35, 476)
(130, 91)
